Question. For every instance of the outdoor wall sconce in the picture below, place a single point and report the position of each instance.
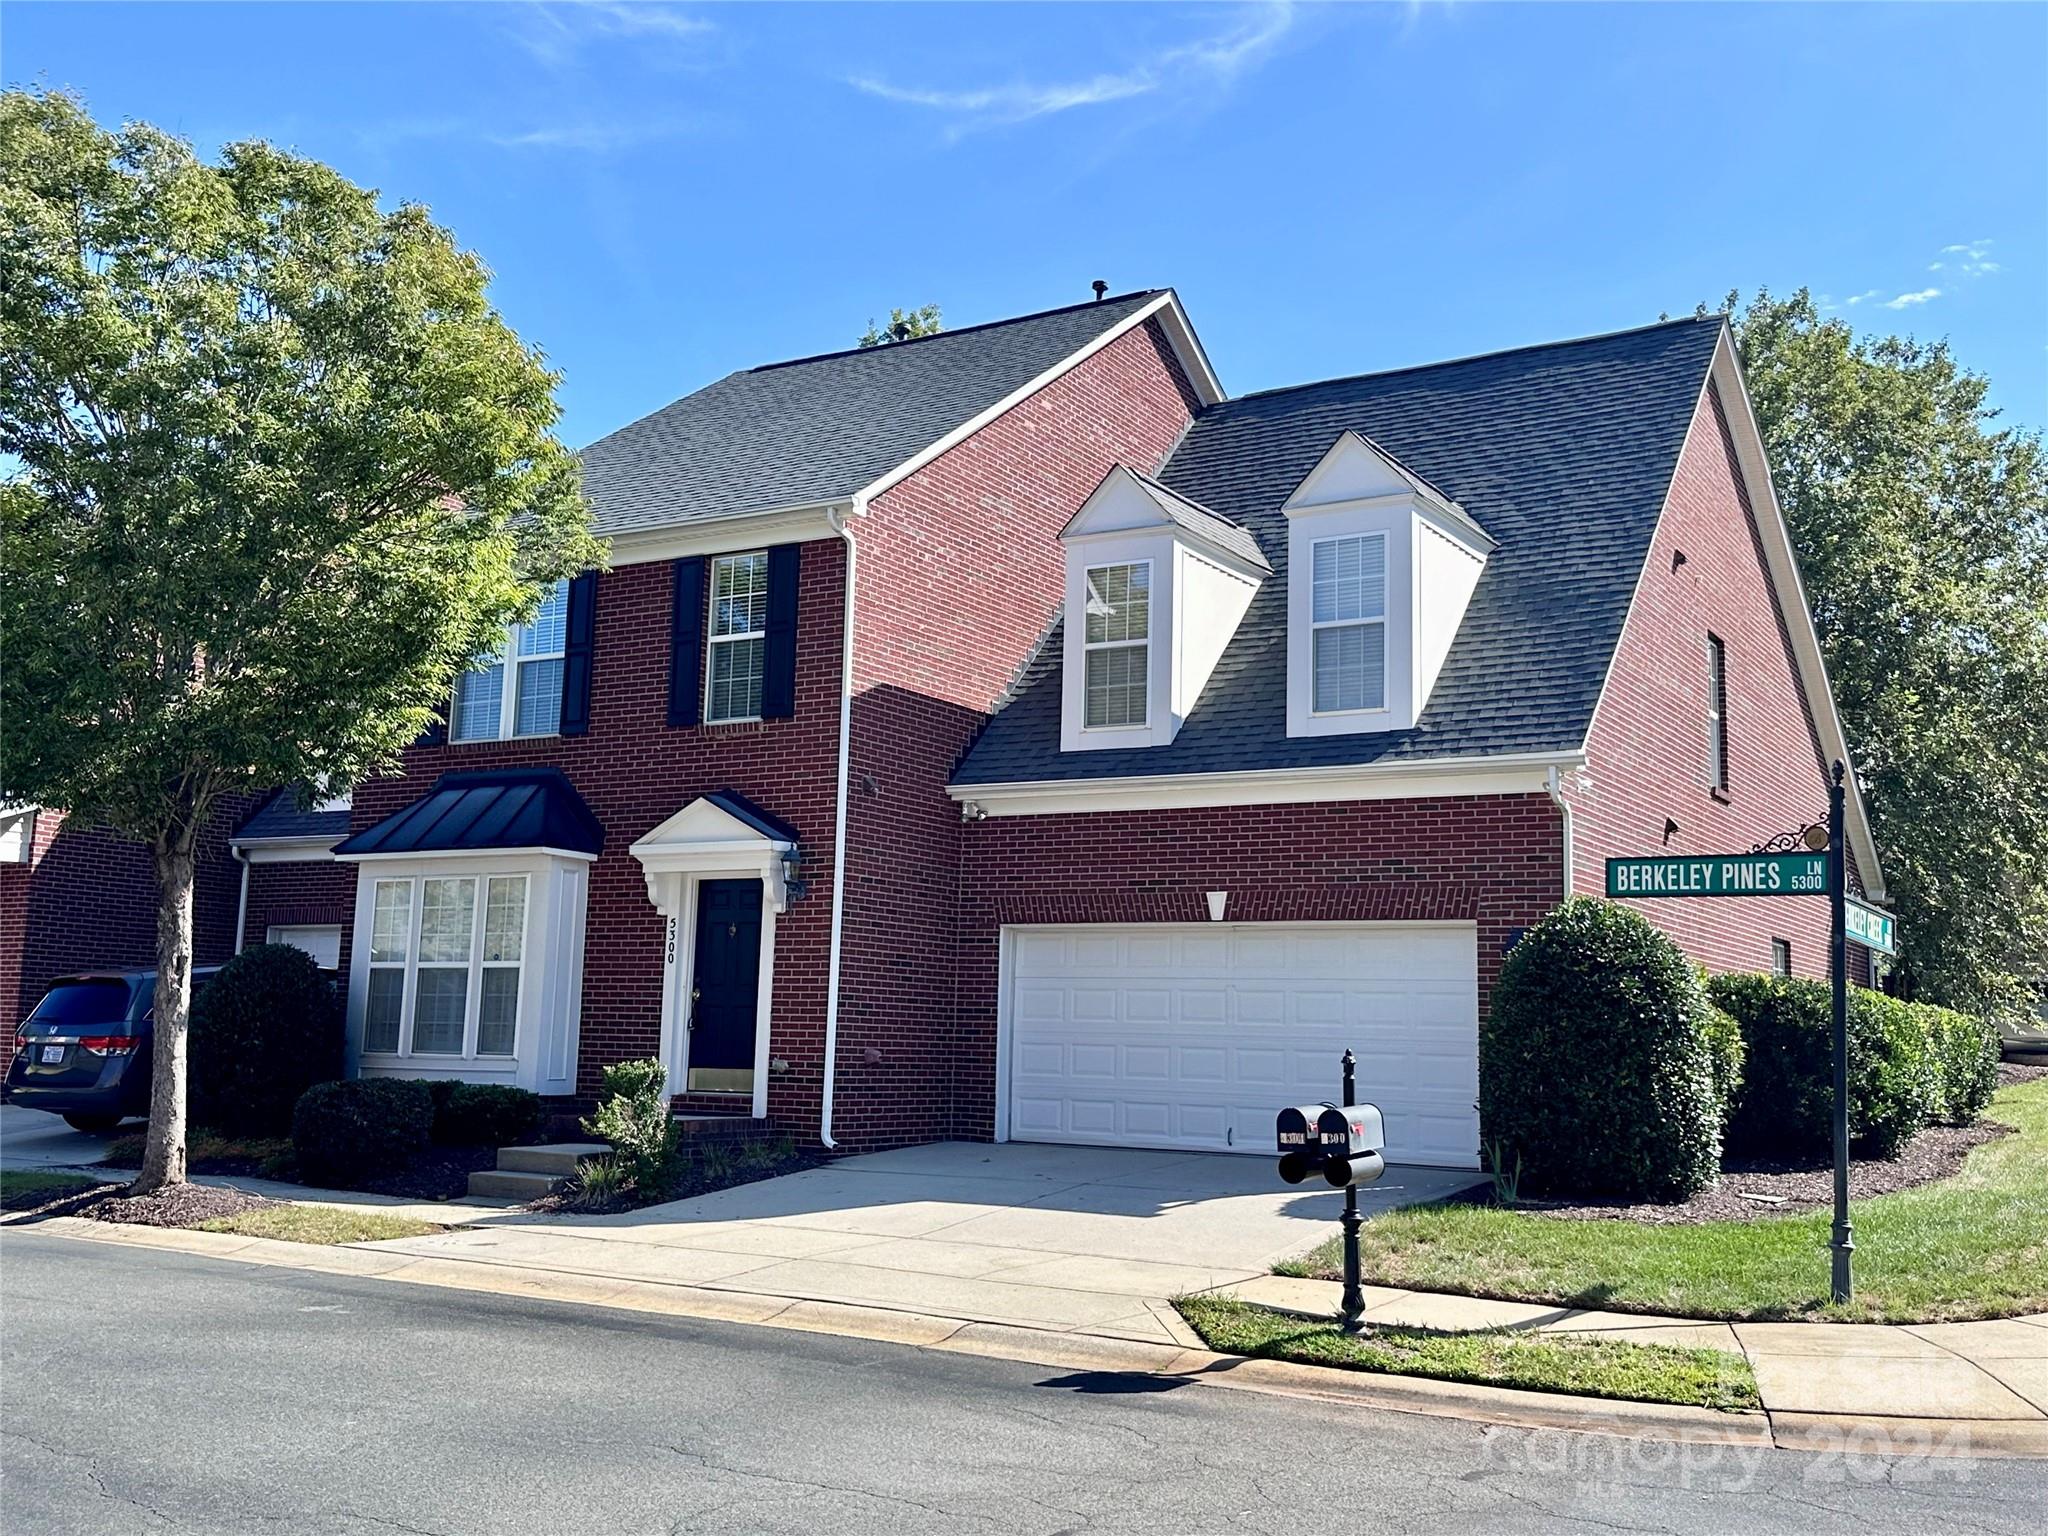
(792, 873)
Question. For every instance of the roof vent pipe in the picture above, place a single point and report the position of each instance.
(1101, 289)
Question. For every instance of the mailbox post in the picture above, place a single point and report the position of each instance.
(1346, 1144)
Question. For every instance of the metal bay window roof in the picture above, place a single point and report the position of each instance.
(480, 811)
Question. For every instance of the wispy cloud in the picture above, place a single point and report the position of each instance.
(557, 34)
(1969, 258)
(582, 134)
(1218, 59)
(1908, 300)
(1862, 298)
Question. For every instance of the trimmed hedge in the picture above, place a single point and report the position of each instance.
(1966, 1057)
(1595, 1063)
(486, 1115)
(264, 1030)
(1786, 1102)
(364, 1128)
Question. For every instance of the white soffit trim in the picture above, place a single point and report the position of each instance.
(1724, 375)
(285, 850)
(1518, 774)
(718, 535)
(1171, 320)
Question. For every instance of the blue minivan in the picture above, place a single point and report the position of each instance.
(85, 1052)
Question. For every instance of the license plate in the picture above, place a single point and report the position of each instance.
(52, 1053)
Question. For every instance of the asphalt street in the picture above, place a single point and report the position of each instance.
(149, 1391)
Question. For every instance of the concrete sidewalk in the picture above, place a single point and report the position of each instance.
(1982, 1371)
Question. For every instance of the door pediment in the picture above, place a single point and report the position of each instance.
(716, 834)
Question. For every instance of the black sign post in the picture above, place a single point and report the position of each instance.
(1352, 1308)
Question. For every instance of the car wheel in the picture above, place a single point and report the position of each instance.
(92, 1125)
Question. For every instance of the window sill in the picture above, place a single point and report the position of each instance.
(1719, 794)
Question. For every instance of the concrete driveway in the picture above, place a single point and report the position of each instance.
(1070, 1238)
(35, 1138)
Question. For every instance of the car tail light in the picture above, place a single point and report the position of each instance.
(110, 1045)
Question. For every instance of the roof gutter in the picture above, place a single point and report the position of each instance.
(840, 526)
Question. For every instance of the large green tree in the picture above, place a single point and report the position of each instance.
(1922, 531)
(275, 473)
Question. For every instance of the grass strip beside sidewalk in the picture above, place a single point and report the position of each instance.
(1582, 1366)
(320, 1224)
(1971, 1246)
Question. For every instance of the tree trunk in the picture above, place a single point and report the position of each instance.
(163, 1157)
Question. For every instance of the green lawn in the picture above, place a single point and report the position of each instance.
(1589, 1367)
(319, 1224)
(23, 1189)
(1975, 1245)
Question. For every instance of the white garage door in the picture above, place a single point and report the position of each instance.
(1194, 1037)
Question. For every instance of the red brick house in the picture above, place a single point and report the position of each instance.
(1007, 734)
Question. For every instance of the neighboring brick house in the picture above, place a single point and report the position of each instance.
(76, 898)
(813, 795)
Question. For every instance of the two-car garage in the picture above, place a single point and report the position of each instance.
(1191, 1037)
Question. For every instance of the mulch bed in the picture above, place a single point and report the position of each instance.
(1793, 1188)
(563, 1203)
(181, 1205)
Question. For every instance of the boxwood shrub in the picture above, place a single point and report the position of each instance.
(1965, 1061)
(366, 1128)
(264, 1030)
(1786, 1103)
(1595, 1067)
(485, 1115)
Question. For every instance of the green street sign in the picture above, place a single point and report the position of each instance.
(1869, 927)
(1721, 874)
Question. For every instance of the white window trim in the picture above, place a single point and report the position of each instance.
(1144, 721)
(713, 640)
(1316, 626)
(549, 1006)
(1717, 713)
(511, 660)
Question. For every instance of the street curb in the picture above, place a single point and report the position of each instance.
(1078, 1352)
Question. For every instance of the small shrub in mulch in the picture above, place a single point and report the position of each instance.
(602, 1186)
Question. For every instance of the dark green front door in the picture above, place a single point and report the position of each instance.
(726, 986)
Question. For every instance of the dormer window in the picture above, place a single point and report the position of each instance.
(1156, 585)
(1381, 565)
(1348, 616)
(1118, 643)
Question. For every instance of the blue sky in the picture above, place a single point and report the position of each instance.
(667, 192)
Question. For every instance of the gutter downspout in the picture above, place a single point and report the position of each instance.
(840, 525)
(241, 906)
(1555, 785)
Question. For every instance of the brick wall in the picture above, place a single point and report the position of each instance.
(86, 900)
(959, 571)
(302, 891)
(636, 771)
(1494, 859)
(1647, 755)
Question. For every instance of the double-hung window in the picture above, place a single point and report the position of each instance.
(1348, 623)
(1717, 713)
(737, 650)
(445, 956)
(1117, 640)
(518, 691)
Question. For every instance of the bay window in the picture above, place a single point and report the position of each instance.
(517, 691)
(444, 965)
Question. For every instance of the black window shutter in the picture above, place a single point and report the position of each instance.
(436, 733)
(686, 643)
(778, 646)
(578, 644)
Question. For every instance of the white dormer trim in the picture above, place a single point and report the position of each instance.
(1433, 556)
(1201, 574)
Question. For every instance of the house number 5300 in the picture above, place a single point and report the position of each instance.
(669, 954)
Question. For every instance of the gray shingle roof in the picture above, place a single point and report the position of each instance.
(820, 428)
(280, 817)
(1562, 453)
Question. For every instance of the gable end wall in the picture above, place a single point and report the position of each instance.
(959, 570)
(1647, 758)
